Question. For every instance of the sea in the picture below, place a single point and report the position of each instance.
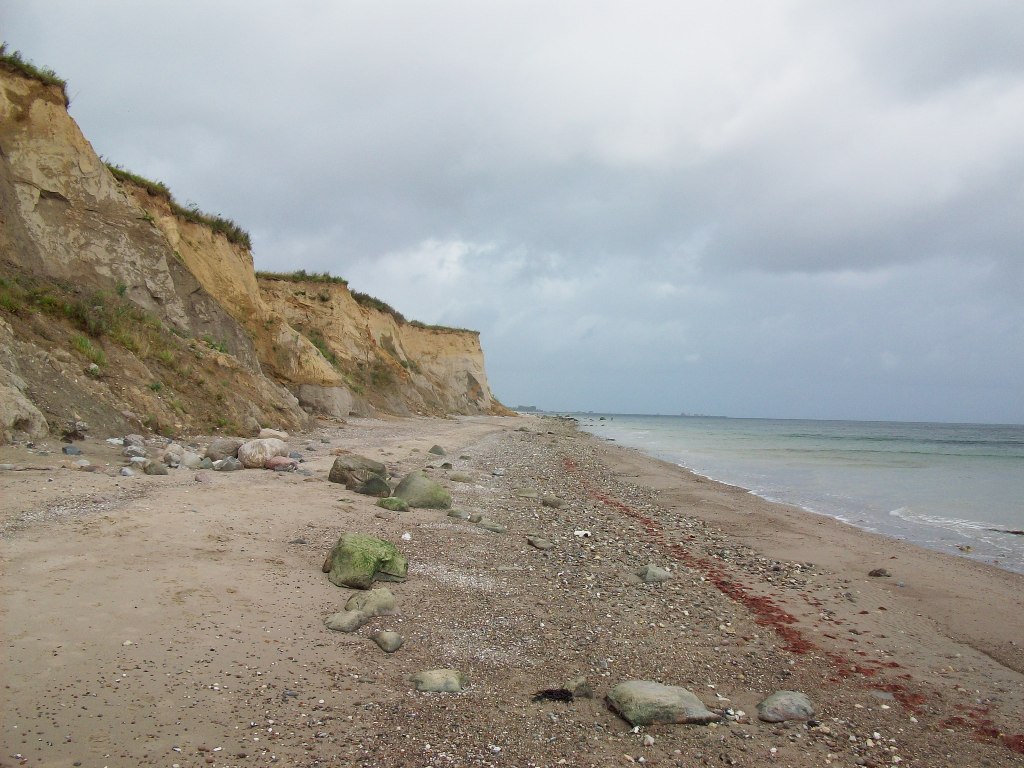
(956, 488)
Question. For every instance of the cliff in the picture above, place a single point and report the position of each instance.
(119, 308)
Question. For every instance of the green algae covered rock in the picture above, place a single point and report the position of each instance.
(357, 560)
(420, 491)
(394, 504)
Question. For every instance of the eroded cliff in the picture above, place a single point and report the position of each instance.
(117, 309)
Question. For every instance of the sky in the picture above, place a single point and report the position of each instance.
(787, 209)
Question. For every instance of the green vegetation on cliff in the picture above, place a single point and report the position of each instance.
(13, 62)
(215, 222)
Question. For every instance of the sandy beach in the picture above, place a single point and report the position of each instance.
(178, 620)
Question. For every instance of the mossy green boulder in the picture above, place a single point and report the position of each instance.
(357, 560)
(420, 491)
(394, 504)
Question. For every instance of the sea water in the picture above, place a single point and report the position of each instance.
(952, 487)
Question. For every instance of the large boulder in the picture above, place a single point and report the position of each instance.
(223, 448)
(352, 470)
(357, 560)
(643, 702)
(254, 453)
(420, 491)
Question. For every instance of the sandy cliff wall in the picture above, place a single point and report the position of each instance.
(385, 362)
(116, 307)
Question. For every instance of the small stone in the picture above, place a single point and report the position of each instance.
(346, 621)
(126, 472)
(281, 464)
(71, 450)
(552, 501)
(155, 468)
(459, 514)
(388, 641)
(579, 687)
(375, 602)
(879, 573)
(133, 450)
(439, 681)
(230, 464)
(476, 517)
(652, 574)
(437, 450)
(272, 433)
(460, 477)
(527, 493)
(490, 525)
(540, 542)
(785, 705)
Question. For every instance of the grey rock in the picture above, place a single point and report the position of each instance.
(351, 470)
(374, 486)
(137, 440)
(879, 573)
(388, 641)
(230, 464)
(374, 602)
(138, 461)
(499, 472)
(223, 448)
(476, 517)
(652, 574)
(255, 453)
(447, 465)
(785, 705)
(552, 501)
(490, 525)
(643, 702)
(71, 450)
(437, 450)
(459, 514)
(133, 450)
(539, 542)
(155, 468)
(191, 460)
(579, 687)
(460, 477)
(527, 493)
(205, 463)
(420, 491)
(346, 621)
(126, 472)
(439, 680)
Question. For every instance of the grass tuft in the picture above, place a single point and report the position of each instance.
(302, 276)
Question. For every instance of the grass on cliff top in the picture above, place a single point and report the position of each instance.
(14, 62)
(302, 276)
(215, 222)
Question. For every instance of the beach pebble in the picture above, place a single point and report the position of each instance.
(785, 705)
(490, 525)
(643, 702)
(439, 681)
(437, 450)
(459, 514)
(540, 542)
(127, 472)
(652, 574)
(388, 641)
(879, 572)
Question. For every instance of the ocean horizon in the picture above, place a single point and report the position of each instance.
(952, 487)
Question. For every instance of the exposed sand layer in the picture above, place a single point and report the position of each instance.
(154, 621)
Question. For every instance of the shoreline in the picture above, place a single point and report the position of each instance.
(915, 533)
(153, 620)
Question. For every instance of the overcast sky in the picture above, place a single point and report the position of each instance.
(781, 209)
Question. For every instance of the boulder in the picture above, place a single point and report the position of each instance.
(267, 433)
(155, 468)
(439, 680)
(254, 453)
(191, 460)
(352, 470)
(643, 702)
(420, 491)
(374, 486)
(137, 440)
(223, 447)
(172, 455)
(133, 450)
(394, 503)
(785, 705)
(357, 560)
(230, 464)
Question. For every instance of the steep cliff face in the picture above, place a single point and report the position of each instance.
(384, 361)
(118, 309)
